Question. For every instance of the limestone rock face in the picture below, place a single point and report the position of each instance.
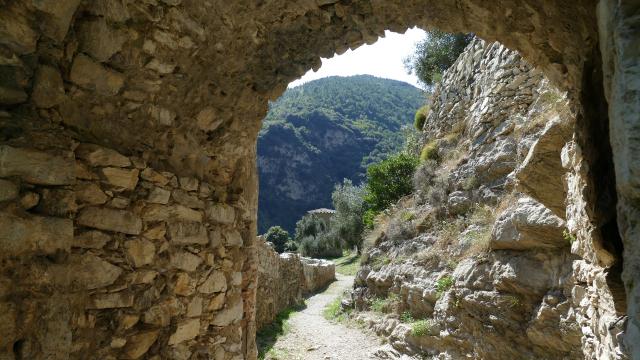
(527, 225)
(511, 243)
(539, 175)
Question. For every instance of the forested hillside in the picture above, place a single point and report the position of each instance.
(319, 133)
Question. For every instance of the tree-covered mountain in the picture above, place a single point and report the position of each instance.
(321, 132)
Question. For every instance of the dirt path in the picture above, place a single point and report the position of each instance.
(312, 337)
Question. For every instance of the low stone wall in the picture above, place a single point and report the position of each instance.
(317, 273)
(284, 280)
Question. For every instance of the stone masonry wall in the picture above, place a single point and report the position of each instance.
(105, 257)
(284, 280)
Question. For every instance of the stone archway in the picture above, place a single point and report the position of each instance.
(180, 87)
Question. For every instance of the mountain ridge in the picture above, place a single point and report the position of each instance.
(323, 131)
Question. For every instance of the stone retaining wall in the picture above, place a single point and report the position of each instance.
(284, 280)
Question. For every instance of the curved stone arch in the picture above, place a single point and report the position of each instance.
(556, 36)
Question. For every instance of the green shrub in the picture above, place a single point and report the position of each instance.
(443, 284)
(435, 54)
(406, 317)
(325, 245)
(420, 117)
(430, 151)
(369, 218)
(389, 180)
(421, 327)
(385, 305)
(278, 237)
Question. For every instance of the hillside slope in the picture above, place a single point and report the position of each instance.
(319, 133)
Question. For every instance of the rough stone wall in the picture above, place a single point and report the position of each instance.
(184, 84)
(536, 297)
(281, 283)
(105, 257)
(284, 280)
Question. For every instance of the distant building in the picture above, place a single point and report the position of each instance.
(323, 213)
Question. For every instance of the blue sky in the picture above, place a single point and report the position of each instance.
(382, 59)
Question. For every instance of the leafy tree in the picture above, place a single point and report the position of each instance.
(435, 54)
(390, 180)
(278, 237)
(347, 223)
(309, 225)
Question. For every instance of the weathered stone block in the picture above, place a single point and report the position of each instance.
(91, 272)
(100, 40)
(110, 220)
(189, 183)
(125, 179)
(194, 309)
(159, 196)
(216, 282)
(221, 213)
(36, 167)
(140, 252)
(17, 31)
(96, 155)
(90, 193)
(188, 233)
(233, 238)
(8, 190)
(120, 299)
(184, 285)
(29, 200)
(216, 302)
(157, 212)
(48, 89)
(139, 344)
(185, 261)
(57, 16)
(161, 314)
(229, 315)
(154, 177)
(90, 75)
(92, 239)
(186, 330)
(34, 234)
(184, 198)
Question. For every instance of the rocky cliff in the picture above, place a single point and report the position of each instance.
(482, 261)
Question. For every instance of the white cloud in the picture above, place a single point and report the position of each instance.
(381, 59)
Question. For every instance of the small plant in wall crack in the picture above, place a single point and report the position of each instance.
(568, 236)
